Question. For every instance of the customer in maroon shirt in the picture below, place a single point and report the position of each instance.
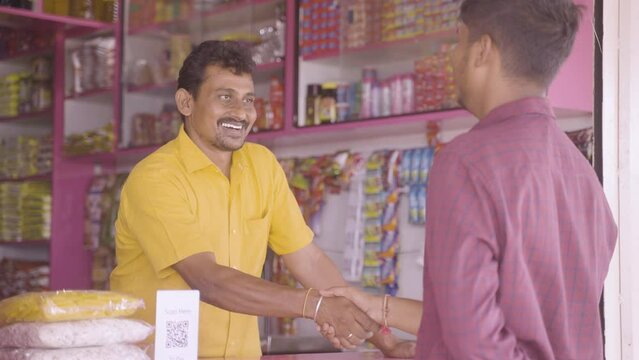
(519, 235)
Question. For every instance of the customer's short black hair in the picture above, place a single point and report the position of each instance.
(230, 55)
(534, 37)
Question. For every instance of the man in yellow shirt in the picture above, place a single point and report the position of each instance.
(200, 212)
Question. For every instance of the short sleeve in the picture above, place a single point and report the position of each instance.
(156, 212)
(289, 232)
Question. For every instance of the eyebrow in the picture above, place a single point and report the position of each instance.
(234, 91)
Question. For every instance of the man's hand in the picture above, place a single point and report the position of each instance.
(350, 325)
(370, 304)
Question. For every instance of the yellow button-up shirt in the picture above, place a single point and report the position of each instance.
(177, 203)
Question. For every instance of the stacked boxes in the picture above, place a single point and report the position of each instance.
(319, 27)
(434, 82)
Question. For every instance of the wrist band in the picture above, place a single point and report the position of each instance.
(317, 308)
(308, 292)
(385, 329)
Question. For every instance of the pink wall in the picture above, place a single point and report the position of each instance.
(573, 88)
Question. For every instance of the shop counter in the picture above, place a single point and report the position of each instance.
(368, 355)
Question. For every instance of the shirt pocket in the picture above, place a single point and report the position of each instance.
(255, 243)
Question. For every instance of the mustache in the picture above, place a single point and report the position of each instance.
(229, 119)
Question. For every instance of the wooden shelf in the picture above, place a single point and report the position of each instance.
(225, 9)
(46, 176)
(58, 19)
(28, 116)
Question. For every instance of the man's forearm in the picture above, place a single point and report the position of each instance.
(236, 291)
(313, 268)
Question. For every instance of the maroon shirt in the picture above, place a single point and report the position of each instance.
(519, 237)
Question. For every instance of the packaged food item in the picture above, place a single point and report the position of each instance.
(72, 334)
(276, 97)
(90, 142)
(385, 98)
(421, 202)
(407, 158)
(67, 305)
(20, 276)
(426, 162)
(328, 103)
(415, 166)
(413, 205)
(343, 107)
(313, 96)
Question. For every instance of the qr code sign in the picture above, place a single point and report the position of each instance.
(176, 334)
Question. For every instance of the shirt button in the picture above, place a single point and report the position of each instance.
(234, 232)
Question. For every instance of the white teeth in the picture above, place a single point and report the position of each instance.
(231, 126)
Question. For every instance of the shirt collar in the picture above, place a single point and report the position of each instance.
(529, 105)
(194, 159)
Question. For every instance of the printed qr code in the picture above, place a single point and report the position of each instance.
(176, 334)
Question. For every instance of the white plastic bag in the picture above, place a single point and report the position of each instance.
(68, 334)
(111, 352)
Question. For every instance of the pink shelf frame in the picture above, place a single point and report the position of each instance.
(58, 19)
(89, 93)
(216, 11)
(30, 115)
(382, 121)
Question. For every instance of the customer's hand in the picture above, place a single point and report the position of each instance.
(370, 304)
(388, 344)
(393, 347)
(350, 325)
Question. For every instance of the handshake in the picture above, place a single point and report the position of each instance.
(347, 317)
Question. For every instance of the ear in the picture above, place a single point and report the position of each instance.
(484, 50)
(184, 102)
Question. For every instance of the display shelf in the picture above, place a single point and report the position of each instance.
(386, 51)
(137, 151)
(158, 89)
(28, 116)
(230, 12)
(90, 93)
(25, 243)
(56, 19)
(28, 53)
(93, 157)
(263, 72)
(46, 176)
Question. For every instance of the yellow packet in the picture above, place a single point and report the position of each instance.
(52, 306)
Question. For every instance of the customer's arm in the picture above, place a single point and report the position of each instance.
(313, 268)
(401, 313)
